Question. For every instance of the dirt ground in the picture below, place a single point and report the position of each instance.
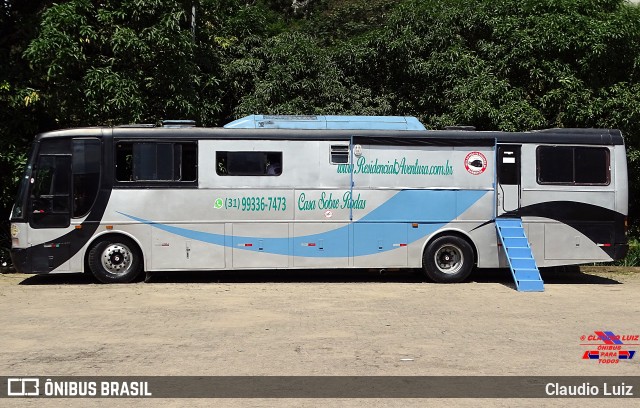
(320, 323)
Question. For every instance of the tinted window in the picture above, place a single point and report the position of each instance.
(249, 163)
(153, 161)
(50, 191)
(86, 174)
(592, 166)
(156, 162)
(555, 164)
(189, 160)
(124, 162)
(573, 165)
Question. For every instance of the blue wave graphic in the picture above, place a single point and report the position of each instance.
(381, 230)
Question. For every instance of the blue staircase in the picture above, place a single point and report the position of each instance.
(516, 245)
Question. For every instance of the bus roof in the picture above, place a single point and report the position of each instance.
(326, 122)
(365, 136)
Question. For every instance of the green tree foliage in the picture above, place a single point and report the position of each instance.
(227, 33)
(509, 65)
(118, 61)
(292, 73)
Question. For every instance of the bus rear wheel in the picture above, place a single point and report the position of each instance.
(448, 259)
(115, 260)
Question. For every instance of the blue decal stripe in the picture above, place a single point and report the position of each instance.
(378, 231)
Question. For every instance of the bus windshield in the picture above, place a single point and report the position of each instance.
(19, 207)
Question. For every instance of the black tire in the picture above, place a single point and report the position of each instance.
(115, 260)
(448, 259)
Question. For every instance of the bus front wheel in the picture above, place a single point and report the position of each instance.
(448, 259)
(115, 260)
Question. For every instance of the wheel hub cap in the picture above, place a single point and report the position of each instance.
(449, 259)
(117, 259)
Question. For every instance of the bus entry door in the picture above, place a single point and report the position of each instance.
(509, 184)
(50, 212)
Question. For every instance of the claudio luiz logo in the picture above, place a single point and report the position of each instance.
(608, 347)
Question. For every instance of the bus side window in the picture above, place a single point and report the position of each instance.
(189, 161)
(151, 163)
(555, 165)
(249, 163)
(274, 164)
(573, 165)
(592, 166)
(124, 162)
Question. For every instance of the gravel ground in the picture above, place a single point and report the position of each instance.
(320, 323)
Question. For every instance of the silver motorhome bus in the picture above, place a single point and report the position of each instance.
(277, 192)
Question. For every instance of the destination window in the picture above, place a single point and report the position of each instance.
(249, 163)
(573, 165)
(156, 162)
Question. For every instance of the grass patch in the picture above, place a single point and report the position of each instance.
(633, 256)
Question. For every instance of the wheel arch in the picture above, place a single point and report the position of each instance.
(99, 237)
(452, 232)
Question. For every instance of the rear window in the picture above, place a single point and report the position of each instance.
(573, 165)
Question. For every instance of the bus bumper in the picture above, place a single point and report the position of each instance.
(21, 260)
(617, 251)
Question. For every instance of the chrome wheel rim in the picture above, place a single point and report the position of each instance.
(117, 259)
(449, 259)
